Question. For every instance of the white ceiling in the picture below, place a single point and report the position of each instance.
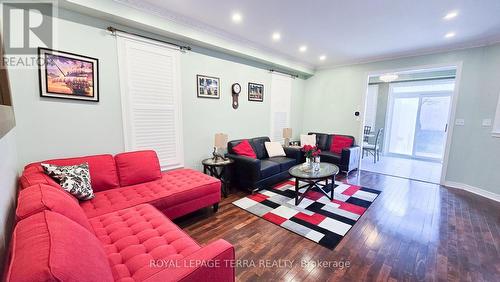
(345, 31)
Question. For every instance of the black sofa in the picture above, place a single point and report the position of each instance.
(347, 161)
(256, 174)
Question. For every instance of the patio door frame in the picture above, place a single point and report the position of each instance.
(390, 112)
(451, 115)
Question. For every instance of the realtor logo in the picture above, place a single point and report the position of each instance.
(26, 26)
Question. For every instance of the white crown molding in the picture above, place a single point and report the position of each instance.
(473, 189)
(144, 15)
(214, 31)
(136, 14)
(411, 54)
(206, 28)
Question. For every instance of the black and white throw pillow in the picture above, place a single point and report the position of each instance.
(74, 178)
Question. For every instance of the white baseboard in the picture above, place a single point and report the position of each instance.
(472, 189)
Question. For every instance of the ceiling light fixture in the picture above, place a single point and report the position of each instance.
(450, 15)
(449, 35)
(276, 36)
(388, 77)
(322, 57)
(303, 48)
(236, 17)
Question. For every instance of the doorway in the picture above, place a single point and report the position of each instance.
(406, 123)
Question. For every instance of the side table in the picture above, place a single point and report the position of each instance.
(219, 170)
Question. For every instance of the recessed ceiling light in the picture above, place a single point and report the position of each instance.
(450, 15)
(450, 35)
(322, 57)
(276, 36)
(303, 48)
(237, 17)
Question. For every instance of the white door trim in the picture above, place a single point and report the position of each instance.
(454, 98)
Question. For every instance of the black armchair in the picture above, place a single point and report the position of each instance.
(349, 159)
(255, 174)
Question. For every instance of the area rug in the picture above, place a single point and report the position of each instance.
(317, 218)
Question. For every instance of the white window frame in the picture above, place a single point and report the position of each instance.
(122, 40)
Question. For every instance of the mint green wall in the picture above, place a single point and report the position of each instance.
(204, 117)
(334, 94)
(52, 128)
(324, 102)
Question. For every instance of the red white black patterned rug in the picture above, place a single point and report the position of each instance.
(317, 218)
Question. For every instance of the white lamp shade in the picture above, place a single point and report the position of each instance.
(220, 140)
(287, 133)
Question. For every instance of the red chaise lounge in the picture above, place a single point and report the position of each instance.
(123, 234)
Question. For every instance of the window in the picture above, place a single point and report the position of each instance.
(151, 100)
(281, 94)
(496, 124)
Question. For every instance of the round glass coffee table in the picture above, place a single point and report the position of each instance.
(313, 179)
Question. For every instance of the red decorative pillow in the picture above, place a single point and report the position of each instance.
(137, 167)
(339, 143)
(245, 149)
(102, 168)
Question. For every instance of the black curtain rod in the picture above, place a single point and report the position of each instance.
(182, 47)
(415, 79)
(290, 74)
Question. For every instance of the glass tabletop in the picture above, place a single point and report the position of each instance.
(303, 171)
(219, 162)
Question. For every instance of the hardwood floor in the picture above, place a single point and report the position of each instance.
(413, 231)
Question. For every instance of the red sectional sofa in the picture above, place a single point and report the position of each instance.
(124, 233)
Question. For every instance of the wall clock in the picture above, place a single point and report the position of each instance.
(236, 89)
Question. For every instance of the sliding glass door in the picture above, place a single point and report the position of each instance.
(403, 124)
(430, 136)
(417, 119)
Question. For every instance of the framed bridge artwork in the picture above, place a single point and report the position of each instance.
(68, 76)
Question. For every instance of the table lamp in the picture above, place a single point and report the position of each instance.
(220, 142)
(287, 134)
